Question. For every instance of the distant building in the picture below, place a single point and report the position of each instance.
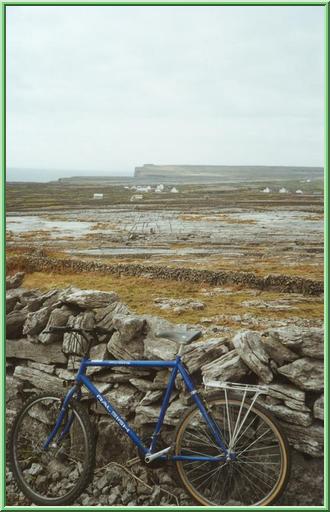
(140, 188)
(283, 191)
(266, 190)
(98, 196)
(159, 188)
(174, 190)
(136, 197)
(299, 191)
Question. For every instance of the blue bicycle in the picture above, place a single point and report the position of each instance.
(227, 451)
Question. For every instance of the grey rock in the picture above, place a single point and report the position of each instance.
(226, 368)
(13, 388)
(58, 317)
(36, 321)
(24, 349)
(277, 351)
(35, 469)
(306, 373)
(97, 353)
(318, 408)
(39, 379)
(124, 399)
(290, 415)
(104, 316)
(47, 368)
(74, 343)
(90, 299)
(305, 341)
(151, 397)
(142, 384)
(121, 349)
(308, 440)
(14, 323)
(249, 346)
(14, 281)
(200, 353)
(128, 326)
(286, 392)
(159, 348)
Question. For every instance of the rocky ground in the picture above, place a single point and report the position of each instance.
(288, 360)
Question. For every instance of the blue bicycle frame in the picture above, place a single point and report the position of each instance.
(177, 367)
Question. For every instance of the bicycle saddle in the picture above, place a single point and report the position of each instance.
(179, 335)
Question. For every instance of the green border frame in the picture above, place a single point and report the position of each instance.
(283, 3)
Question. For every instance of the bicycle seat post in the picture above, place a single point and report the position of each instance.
(180, 349)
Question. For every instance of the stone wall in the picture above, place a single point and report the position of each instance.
(281, 283)
(289, 361)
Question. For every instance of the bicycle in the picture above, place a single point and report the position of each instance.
(226, 451)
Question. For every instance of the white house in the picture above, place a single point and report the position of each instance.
(283, 191)
(98, 196)
(299, 191)
(159, 189)
(266, 190)
(140, 188)
(174, 190)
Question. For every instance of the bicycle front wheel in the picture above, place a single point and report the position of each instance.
(259, 470)
(59, 474)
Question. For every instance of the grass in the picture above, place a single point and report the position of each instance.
(139, 293)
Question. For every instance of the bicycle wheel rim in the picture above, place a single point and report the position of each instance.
(52, 464)
(193, 479)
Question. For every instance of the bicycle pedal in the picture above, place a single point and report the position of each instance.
(152, 456)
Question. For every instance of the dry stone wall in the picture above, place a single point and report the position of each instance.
(289, 361)
(282, 283)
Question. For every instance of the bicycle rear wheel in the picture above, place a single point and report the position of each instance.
(258, 473)
(58, 475)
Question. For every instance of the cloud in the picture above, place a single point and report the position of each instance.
(107, 88)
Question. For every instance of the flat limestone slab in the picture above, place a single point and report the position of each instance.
(23, 349)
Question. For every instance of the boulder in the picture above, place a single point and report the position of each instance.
(306, 341)
(13, 388)
(308, 440)
(318, 408)
(199, 353)
(74, 343)
(36, 321)
(38, 379)
(58, 317)
(90, 299)
(277, 351)
(124, 399)
(14, 281)
(38, 301)
(104, 316)
(159, 348)
(128, 326)
(14, 323)
(48, 368)
(226, 368)
(99, 353)
(306, 373)
(290, 415)
(151, 397)
(251, 350)
(24, 349)
(121, 349)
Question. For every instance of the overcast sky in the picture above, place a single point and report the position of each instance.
(104, 89)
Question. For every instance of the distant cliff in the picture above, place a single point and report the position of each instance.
(227, 172)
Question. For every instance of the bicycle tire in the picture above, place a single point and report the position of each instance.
(36, 413)
(192, 476)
